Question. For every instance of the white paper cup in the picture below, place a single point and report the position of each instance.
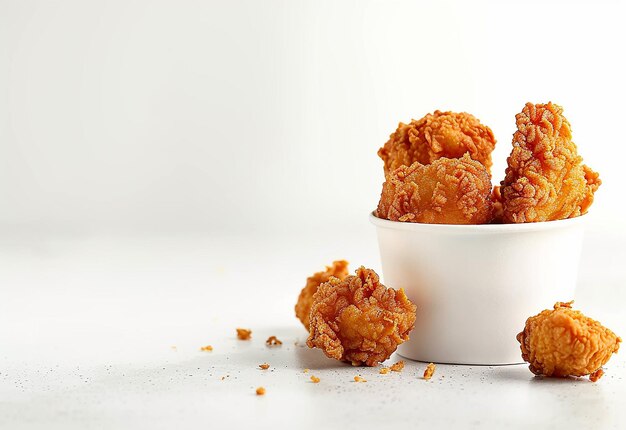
(475, 285)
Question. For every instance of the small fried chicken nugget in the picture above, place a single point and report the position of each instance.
(545, 179)
(339, 269)
(359, 320)
(448, 191)
(437, 135)
(564, 342)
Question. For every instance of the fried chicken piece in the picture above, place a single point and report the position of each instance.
(339, 269)
(359, 320)
(564, 342)
(545, 178)
(498, 206)
(448, 191)
(438, 135)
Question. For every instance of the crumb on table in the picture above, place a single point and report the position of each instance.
(206, 348)
(359, 379)
(384, 370)
(264, 366)
(305, 371)
(260, 391)
(430, 371)
(273, 341)
(397, 367)
(244, 334)
(596, 375)
(315, 379)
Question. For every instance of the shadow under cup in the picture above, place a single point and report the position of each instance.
(475, 285)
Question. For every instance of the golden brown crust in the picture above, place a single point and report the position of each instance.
(359, 320)
(438, 135)
(564, 342)
(498, 207)
(397, 367)
(429, 371)
(244, 334)
(545, 179)
(448, 191)
(339, 269)
(596, 375)
(273, 341)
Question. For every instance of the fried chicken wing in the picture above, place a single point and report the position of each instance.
(339, 269)
(564, 342)
(359, 320)
(437, 135)
(448, 191)
(545, 178)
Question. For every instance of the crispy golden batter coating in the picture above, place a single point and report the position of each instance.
(498, 206)
(545, 178)
(244, 334)
(429, 371)
(564, 342)
(339, 269)
(273, 341)
(437, 135)
(448, 191)
(359, 320)
(397, 367)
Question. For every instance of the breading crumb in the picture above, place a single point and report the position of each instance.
(260, 391)
(264, 366)
(397, 367)
(206, 348)
(273, 341)
(384, 370)
(244, 334)
(359, 379)
(305, 371)
(596, 375)
(315, 379)
(430, 371)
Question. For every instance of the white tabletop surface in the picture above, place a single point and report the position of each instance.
(104, 332)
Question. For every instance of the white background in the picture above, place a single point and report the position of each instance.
(172, 170)
(240, 116)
